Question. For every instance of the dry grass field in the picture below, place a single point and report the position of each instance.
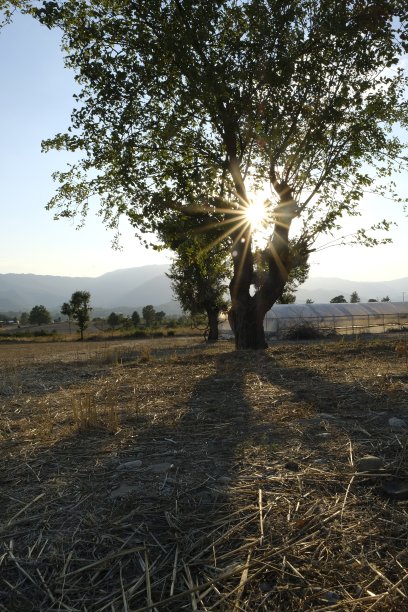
(172, 475)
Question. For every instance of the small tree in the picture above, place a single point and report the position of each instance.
(135, 318)
(386, 299)
(197, 280)
(113, 320)
(339, 299)
(80, 309)
(23, 318)
(309, 301)
(67, 312)
(39, 315)
(160, 317)
(354, 298)
(149, 315)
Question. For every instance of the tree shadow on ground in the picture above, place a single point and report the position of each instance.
(206, 443)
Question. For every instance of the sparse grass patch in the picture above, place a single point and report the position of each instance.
(88, 415)
(145, 354)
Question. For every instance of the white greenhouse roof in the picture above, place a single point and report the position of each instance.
(309, 311)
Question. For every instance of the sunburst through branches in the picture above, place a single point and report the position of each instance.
(238, 221)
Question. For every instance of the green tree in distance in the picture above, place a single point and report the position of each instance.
(23, 318)
(113, 320)
(199, 286)
(191, 106)
(385, 299)
(80, 309)
(338, 299)
(160, 316)
(67, 312)
(354, 298)
(199, 272)
(135, 318)
(39, 315)
(149, 315)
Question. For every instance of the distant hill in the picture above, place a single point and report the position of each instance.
(123, 290)
(132, 288)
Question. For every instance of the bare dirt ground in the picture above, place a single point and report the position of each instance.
(171, 475)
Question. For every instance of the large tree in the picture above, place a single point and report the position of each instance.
(191, 106)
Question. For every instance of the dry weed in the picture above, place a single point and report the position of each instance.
(88, 415)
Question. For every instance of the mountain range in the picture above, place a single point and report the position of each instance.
(132, 288)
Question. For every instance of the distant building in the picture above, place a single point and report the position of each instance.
(372, 317)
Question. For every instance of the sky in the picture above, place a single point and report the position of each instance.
(35, 103)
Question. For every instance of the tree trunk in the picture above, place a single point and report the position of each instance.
(212, 324)
(248, 311)
(246, 322)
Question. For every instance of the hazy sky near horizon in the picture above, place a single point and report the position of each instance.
(35, 103)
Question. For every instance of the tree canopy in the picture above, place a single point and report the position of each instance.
(338, 299)
(79, 306)
(149, 315)
(198, 282)
(190, 107)
(39, 315)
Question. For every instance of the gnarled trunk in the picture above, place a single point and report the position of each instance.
(248, 311)
(246, 321)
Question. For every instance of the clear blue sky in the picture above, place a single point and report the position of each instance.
(35, 103)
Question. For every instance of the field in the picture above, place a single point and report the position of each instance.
(172, 475)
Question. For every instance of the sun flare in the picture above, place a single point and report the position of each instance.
(255, 214)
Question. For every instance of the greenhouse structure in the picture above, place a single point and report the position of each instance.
(372, 317)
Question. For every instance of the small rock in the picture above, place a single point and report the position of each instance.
(161, 468)
(292, 466)
(369, 463)
(396, 423)
(397, 489)
(224, 479)
(330, 597)
(122, 490)
(130, 465)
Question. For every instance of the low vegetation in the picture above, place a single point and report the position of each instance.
(169, 474)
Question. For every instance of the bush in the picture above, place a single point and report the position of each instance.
(140, 333)
(171, 332)
(397, 330)
(307, 331)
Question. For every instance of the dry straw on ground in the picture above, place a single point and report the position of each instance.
(204, 479)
